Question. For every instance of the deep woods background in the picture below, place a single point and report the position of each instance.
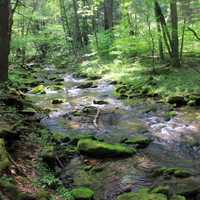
(52, 30)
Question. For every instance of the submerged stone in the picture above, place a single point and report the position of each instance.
(143, 194)
(40, 89)
(82, 193)
(101, 149)
(4, 159)
(100, 102)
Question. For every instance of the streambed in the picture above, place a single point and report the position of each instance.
(175, 141)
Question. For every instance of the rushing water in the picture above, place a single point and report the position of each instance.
(175, 142)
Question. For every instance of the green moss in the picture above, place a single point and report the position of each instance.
(143, 194)
(40, 89)
(178, 197)
(161, 189)
(82, 193)
(177, 172)
(169, 115)
(4, 160)
(96, 148)
(140, 140)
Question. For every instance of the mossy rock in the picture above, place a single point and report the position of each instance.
(40, 89)
(4, 159)
(82, 193)
(75, 139)
(60, 137)
(178, 197)
(177, 172)
(100, 149)
(139, 140)
(94, 77)
(143, 194)
(161, 189)
(169, 115)
(48, 155)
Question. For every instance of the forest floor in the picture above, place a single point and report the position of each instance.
(53, 122)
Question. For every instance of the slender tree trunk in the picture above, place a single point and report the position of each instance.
(77, 30)
(4, 38)
(108, 14)
(174, 34)
(160, 42)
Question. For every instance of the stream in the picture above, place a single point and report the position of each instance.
(175, 142)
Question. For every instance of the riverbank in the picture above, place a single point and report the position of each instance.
(138, 77)
(95, 144)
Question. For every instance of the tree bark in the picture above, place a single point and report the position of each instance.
(160, 41)
(4, 38)
(174, 34)
(108, 14)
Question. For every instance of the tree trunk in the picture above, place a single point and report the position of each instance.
(77, 30)
(174, 34)
(160, 42)
(4, 38)
(108, 14)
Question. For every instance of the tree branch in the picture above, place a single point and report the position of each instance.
(194, 32)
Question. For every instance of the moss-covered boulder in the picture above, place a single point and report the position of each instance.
(139, 140)
(161, 189)
(82, 193)
(143, 194)
(40, 89)
(4, 159)
(100, 149)
(178, 197)
(177, 172)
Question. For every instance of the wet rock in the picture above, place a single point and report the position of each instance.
(4, 159)
(82, 193)
(143, 194)
(113, 82)
(85, 85)
(101, 149)
(139, 140)
(100, 102)
(57, 101)
(177, 100)
(40, 89)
